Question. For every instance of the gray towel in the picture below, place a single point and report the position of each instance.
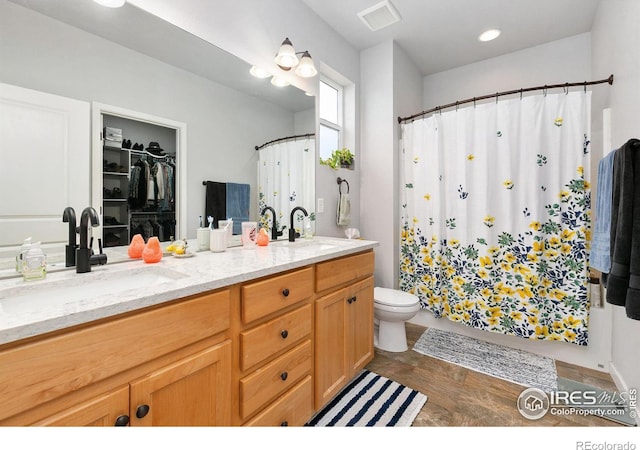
(343, 214)
(600, 258)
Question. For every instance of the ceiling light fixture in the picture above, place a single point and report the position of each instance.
(287, 59)
(280, 82)
(489, 35)
(259, 72)
(111, 3)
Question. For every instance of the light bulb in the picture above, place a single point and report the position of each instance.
(306, 68)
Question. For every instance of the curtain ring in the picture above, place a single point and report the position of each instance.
(474, 102)
(544, 90)
(585, 87)
(497, 95)
(457, 104)
(520, 94)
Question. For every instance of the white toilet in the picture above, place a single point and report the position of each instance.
(391, 308)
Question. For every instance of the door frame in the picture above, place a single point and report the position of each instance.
(97, 110)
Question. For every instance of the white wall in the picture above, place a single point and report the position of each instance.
(407, 95)
(615, 44)
(378, 161)
(223, 125)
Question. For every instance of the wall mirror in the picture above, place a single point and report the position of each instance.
(130, 59)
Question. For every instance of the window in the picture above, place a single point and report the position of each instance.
(330, 98)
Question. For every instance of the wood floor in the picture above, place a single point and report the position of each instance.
(462, 397)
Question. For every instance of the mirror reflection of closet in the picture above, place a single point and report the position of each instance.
(136, 172)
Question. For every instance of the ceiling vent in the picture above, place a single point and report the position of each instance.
(379, 16)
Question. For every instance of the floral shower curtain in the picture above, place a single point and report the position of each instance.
(496, 215)
(286, 178)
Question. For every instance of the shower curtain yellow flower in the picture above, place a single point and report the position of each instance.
(510, 255)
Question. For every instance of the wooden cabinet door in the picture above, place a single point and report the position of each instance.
(331, 363)
(103, 410)
(360, 325)
(193, 391)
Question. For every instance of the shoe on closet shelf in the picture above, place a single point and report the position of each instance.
(126, 143)
(110, 220)
(116, 193)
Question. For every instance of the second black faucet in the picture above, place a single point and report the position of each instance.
(292, 230)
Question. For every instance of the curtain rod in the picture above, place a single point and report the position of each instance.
(258, 147)
(498, 94)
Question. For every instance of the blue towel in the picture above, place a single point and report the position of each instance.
(600, 258)
(238, 205)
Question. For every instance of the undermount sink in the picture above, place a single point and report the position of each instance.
(46, 294)
(310, 244)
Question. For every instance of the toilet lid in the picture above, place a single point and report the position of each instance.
(393, 297)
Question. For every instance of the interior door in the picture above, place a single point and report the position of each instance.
(51, 134)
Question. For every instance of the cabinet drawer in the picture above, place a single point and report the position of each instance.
(292, 409)
(339, 271)
(262, 298)
(49, 368)
(270, 381)
(266, 340)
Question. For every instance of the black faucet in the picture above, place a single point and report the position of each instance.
(292, 230)
(84, 254)
(274, 224)
(69, 216)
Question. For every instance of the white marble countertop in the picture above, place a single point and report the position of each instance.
(67, 298)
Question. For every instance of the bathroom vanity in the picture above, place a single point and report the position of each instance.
(259, 337)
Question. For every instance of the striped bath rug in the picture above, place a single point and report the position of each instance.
(371, 400)
(510, 364)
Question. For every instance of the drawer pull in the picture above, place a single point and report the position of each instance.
(352, 299)
(142, 411)
(285, 292)
(284, 376)
(284, 424)
(122, 421)
(284, 334)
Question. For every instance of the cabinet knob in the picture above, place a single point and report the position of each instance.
(352, 299)
(142, 411)
(284, 424)
(285, 292)
(284, 376)
(122, 421)
(284, 334)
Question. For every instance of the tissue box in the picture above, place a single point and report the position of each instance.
(112, 137)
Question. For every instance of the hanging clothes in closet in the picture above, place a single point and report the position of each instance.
(152, 185)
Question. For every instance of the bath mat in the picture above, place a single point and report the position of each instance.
(371, 400)
(517, 366)
(621, 413)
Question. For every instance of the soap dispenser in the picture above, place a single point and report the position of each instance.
(34, 263)
(24, 248)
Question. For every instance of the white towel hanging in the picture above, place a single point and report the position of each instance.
(343, 212)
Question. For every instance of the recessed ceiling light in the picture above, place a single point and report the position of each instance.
(489, 35)
(111, 3)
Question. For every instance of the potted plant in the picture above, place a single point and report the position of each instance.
(339, 158)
